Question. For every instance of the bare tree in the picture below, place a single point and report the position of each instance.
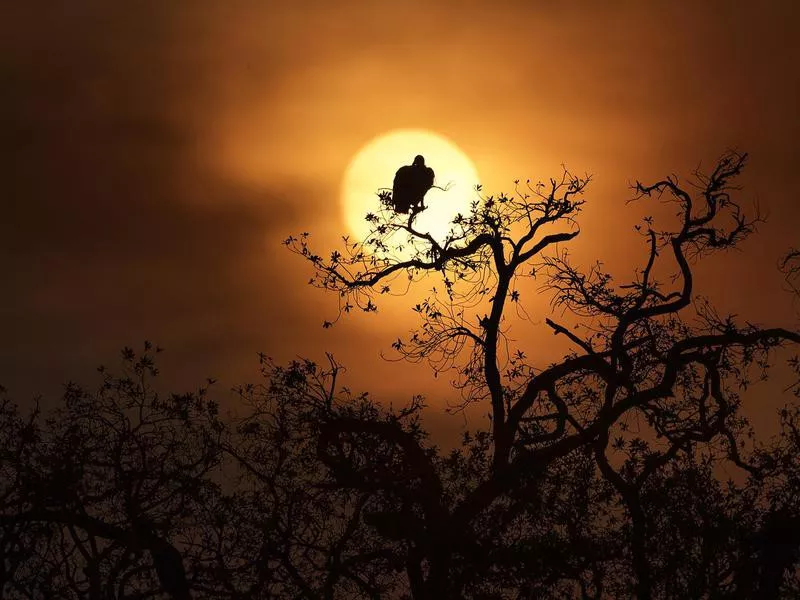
(601, 475)
(645, 350)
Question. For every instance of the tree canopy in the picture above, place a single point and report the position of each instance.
(624, 469)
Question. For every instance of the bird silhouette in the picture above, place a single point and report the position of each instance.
(411, 183)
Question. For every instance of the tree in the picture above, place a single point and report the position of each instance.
(106, 489)
(601, 475)
(646, 349)
(124, 493)
(288, 530)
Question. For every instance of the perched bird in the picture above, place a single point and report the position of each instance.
(411, 183)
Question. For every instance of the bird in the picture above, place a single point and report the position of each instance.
(411, 183)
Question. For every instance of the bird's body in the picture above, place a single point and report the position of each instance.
(411, 183)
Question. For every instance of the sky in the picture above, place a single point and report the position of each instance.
(153, 156)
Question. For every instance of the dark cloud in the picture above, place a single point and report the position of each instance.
(112, 228)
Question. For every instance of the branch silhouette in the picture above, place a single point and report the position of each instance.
(642, 356)
(626, 468)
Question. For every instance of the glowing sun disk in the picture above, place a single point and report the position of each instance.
(374, 165)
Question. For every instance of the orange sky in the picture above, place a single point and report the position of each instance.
(154, 154)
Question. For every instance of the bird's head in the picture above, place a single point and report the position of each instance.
(419, 161)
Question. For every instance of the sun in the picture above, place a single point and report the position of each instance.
(374, 165)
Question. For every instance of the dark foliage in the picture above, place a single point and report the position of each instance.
(626, 469)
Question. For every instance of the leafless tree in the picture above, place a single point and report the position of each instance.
(646, 351)
(601, 475)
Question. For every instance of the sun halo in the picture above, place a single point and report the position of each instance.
(374, 165)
